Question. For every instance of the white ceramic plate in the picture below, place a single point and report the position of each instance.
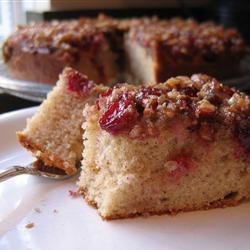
(35, 91)
(63, 222)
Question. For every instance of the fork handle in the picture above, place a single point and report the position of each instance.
(12, 172)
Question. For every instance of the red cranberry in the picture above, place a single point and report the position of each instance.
(120, 115)
(79, 83)
(106, 93)
(184, 165)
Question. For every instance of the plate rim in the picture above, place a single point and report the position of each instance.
(16, 112)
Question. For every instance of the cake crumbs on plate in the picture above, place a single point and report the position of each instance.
(73, 194)
(38, 210)
(30, 225)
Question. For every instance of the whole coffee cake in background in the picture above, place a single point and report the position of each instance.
(40, 51)
(110, 50)
(164, 148)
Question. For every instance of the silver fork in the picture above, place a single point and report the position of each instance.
(36, 169)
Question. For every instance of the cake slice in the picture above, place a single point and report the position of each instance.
(176, 146)
(109, 50)
(54, 133)
(40, 51)
(159, 49)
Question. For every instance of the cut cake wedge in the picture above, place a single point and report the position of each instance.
(177, 146)
(54, 133)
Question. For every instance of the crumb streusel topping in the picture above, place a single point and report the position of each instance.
(61, 37)
(182, 38)
(187, 38)
(201, 101)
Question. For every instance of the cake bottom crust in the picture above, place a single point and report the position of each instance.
(223, 203)
(46, 157)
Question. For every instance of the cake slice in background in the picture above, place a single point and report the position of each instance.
(40, 51)
(159, 49)
(54, 133)
(165, 148)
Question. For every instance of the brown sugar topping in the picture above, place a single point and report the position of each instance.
(61, 37)
(184, 38)
(201, 100)
(181, 38)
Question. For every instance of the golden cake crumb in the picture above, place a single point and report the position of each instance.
(30, 225)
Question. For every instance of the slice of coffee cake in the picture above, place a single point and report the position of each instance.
(54, 133)
(40, 51)
(177, 146)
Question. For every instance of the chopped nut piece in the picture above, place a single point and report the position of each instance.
(30, 225)
(205, 108)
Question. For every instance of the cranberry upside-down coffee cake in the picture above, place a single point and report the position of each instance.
(176, 146)
(108, 50)
(54, 133)
(39, 52)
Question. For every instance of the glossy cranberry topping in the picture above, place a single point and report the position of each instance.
(106, 93)
(79, 83)
(120, 115)
(183, 165)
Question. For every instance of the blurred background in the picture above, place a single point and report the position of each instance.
(227, 12)
(230, 13)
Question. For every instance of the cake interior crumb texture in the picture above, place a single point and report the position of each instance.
(126, 177)
(166, 148)
(54, 133)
